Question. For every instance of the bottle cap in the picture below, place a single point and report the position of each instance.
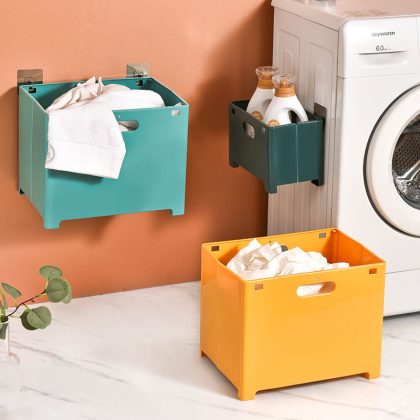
(265, 75)
(284, 84)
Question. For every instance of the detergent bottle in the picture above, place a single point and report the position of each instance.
(264, 92)
(283, 103)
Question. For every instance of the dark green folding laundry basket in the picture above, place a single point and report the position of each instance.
(276, 155)
(153, 173)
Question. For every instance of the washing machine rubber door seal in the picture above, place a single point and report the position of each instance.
(378, 166)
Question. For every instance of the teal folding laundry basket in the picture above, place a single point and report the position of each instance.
(153, 173)
(280, 155)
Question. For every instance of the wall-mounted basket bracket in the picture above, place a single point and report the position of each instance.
(29, 77)
(138, 70)
(321, 111)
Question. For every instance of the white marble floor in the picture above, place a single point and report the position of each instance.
(135, 355)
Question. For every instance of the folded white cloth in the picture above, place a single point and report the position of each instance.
(83, 134)
(255, 262)
(85, 140)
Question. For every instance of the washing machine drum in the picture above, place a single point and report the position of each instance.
(392, 168)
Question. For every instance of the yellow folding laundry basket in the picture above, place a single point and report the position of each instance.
(262, 335)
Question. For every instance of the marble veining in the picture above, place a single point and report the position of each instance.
(135, 355)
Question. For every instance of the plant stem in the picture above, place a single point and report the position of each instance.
(26, 301)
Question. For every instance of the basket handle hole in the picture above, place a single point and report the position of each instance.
(316, 289)
(215, 248)
(128, 125)
(373, 270)
(249, 130)
(175, 112)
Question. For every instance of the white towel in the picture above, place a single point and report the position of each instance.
(255, 262)
(85, 140)
(83, 134)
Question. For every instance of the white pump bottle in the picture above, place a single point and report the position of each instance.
(264, 93)
(283, 103)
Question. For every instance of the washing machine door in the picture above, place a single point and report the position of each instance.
(392, 166)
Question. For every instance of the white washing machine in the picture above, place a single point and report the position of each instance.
(361, 61)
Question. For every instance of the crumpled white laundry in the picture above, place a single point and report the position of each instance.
(83, 134)
(256, 261)
(81, 94)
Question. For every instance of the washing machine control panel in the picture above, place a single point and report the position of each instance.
(377, 47)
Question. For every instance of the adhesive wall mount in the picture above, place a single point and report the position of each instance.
(138, 70)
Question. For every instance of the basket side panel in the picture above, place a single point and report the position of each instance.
(292, 340)
(39, 153)
(231, 323)
(308, 158)
(248, 141)
(209, 307)
(283, 156)
(152, 176)
(26, 106)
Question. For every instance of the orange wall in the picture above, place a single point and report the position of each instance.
(206, 51)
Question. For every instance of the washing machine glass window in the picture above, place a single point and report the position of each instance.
(392, 164)
(406, 163)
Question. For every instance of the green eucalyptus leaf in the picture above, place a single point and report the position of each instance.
(69, 296)
(24, 320)
(50, 272)
(57, 290)
(4, 304)
(39, 317)
(3, 331)
(12, 291)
